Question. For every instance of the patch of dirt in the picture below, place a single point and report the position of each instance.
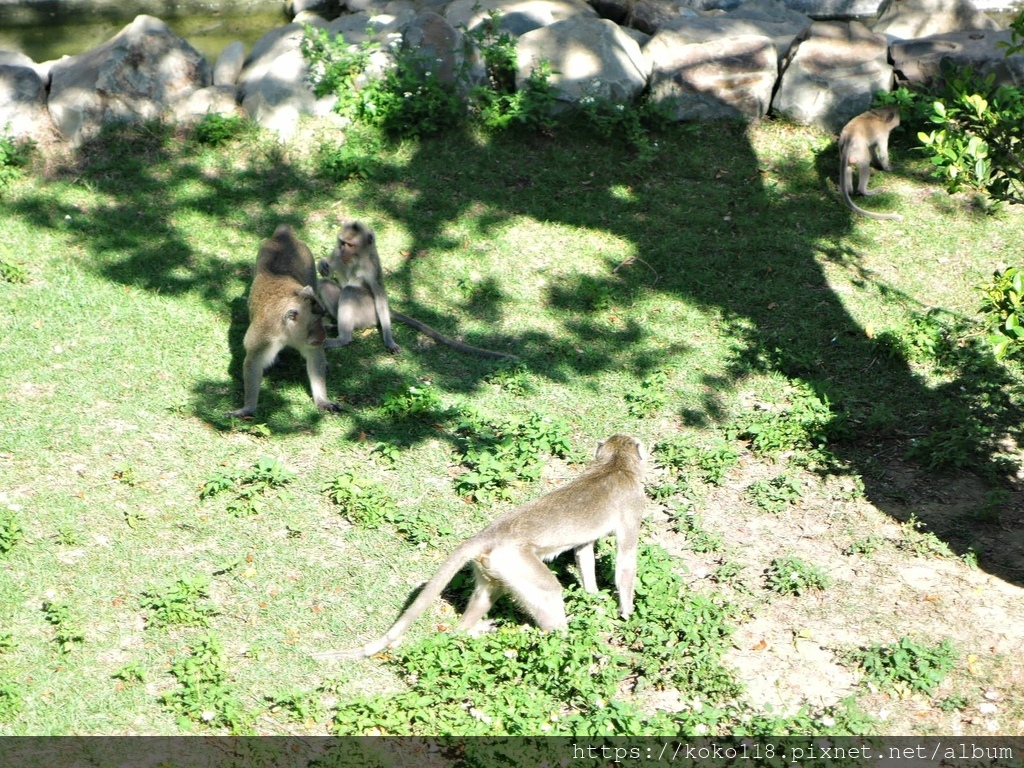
(898, 579)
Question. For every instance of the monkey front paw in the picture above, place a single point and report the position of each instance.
(324, 268)
(328, 406)
(242, 413)
(394, 349)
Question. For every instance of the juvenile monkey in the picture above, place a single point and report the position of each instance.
(509, 554)
(356, 296)
(284, 311)
(863, 141)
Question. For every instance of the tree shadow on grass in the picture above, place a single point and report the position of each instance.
(702, 224)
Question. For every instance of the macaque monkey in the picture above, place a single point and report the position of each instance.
(284, 311)
(509, 554)
(863, 141)
(355, 295)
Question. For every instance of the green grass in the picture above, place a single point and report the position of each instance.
(720, 288)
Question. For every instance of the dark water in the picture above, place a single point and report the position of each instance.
(207, 32)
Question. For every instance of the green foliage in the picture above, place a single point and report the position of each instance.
(132, 672)
(908, 665)
(1004, 311)
(299, 706)
(248, 487)
(499, 453)
(10, 531)
(807, 423)
(688, 522)
(67, 635)
(7, 642)
(776, 494)
(411, 401)
(215, 130)
(921, 542)
(867, 545)
(979, 141)
(520, 681)
(792, 576)
(409, 97)
(957, 439)
(13, 271)
(14, 155)
(206, 695)
(690, 459)
(368, 505)
(629, 123)
(649, 395)
(12, 697)
(355, 157)
(178, 603)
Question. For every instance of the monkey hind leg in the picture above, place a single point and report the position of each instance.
(532, 585)
(486, 592)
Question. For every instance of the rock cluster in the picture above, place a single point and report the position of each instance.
(758, 56)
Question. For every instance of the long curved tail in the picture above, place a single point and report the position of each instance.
(430, 592)
(458, 345)
(846, 184)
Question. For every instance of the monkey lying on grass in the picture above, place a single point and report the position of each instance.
(509, 554)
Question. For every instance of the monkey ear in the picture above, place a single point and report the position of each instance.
(306, 292)
(370, 238)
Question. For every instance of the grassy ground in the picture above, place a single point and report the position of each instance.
(686, 298)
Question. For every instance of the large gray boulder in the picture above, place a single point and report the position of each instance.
(831, 74)
(273, 87)
(906, 19)
(766, 18)
(517, 16)
(437, 46)
(139, 74)
(588, 57)
(229, 64)
(919, 61)
(726, 78)
(22, 102)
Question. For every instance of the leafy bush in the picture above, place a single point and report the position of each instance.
(808, 422)
(14, 154)
(368, 505)
(214, 130)
(248, 486)
(67, 635)
(1003, 306)
(10, 531)
(776, 494)
(687, 458)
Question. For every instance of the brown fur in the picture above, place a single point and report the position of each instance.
(865, 141)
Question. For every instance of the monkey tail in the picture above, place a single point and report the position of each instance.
(458, 345)
(430, 592)
(846, 184)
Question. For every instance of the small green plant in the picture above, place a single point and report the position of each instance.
(362, 502)
(500, 453)
(688, 522)
(7, 642)
(649, 395)
(368, 505)
(413, 401)
(11, 698)
(178, 603)
(687, 458)
(67, 635)
(14, 154)
(792, 576)
(299, 706)
(512, 377)
(777, 494)
(908, 665)
(67, 536)
(215, 130)
(132, 672)
(249, 486)
(921, 542)
(867, 545)
(1003, 306)
(10, 531)
(808, 422)
(13, 271)
(357, 157)
(952, 703)
(206, 695)
(631, 123)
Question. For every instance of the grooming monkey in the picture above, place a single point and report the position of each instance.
(509, 554)
(284, 311)
(863, 141)
(356, 296)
